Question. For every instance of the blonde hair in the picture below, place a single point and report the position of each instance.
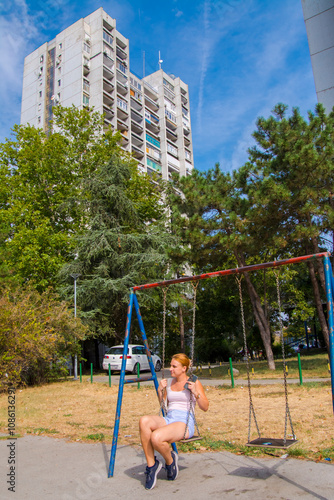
(183, 359)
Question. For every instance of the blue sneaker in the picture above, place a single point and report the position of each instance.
(151, 474)
(173, 469)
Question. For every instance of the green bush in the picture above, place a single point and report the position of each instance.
(37, 334)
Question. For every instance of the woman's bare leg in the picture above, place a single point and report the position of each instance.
(147, 425)
(162, 437)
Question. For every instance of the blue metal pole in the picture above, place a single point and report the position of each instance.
(148, 352)
(329, 294)
(120, 388)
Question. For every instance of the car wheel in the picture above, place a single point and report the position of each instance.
(135, 368)
(157, 366)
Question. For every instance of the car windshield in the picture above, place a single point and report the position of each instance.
(116, 350)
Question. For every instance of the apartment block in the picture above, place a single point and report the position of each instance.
(88, 65)
(319, 23)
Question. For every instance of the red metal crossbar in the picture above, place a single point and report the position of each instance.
(238, 270)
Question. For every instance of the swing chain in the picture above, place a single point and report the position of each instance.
(251, 406)
(287, 409)
(194, 285)
(163, 408)
(191, 400)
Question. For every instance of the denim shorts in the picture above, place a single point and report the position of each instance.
(181, 416)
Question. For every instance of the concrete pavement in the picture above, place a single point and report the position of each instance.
(48, 468)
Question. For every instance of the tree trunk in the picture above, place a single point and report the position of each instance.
(181, 322)
(259, 316)
(318, 303)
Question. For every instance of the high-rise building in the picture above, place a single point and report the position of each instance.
(319, 22)
(88, 65)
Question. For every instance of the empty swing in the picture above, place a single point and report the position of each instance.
(192, 377)
(261, 441)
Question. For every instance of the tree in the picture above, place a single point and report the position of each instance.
(289, 183)
(41, 206)
(37, 334)
(123, 244)
(211, 218)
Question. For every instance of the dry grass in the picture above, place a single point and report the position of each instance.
(86, 412)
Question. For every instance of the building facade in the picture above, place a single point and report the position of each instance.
(319, 22)
(88, 65)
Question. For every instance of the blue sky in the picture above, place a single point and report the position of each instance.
(239, 58)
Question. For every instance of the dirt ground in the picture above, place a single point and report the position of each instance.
(86, 412)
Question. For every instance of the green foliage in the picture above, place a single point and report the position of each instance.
(37, 334)
(123, 244)
(41, 194)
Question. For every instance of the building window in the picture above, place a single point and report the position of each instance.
(86, 85)
(171, 149)
(41, 59)
(107, 38)
(168, 85)
(60, 46)
(40, 93)
(153, 141)
(86, 48)
(59, 83)
(122, 104)
(121, 67)
(135, 94)
(170, 116)
(85, 100)
(187, 155)
(153, 165)
(134, 83)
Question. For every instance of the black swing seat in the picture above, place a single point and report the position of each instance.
(189, 440)
(272, 443)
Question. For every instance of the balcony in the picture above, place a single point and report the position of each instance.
(186, 141)
(171, 135)
(108, 112)
(152, 105)
(122, 88)
(150, 90)
(136, 140)
(184, 100)
(107, 85)
(136, 127)
(108, 98)
(108, 66)
(121, 53)
(136, 104)
(137, 152)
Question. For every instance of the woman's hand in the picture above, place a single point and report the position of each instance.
(198, 391)
(163, 384)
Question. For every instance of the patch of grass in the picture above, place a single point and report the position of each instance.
(95, 437)
(314, 364)
(297, 452)
(68, 415)
(44, 430)
(75, 424)
(102, 426)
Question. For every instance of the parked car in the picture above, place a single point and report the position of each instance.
(136, 355)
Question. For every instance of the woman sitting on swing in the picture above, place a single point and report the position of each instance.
(157, 432)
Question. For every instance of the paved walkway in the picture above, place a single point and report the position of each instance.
(48, 468)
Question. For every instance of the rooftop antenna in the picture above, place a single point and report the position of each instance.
(160, 60)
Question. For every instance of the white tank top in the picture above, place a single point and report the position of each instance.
(179, 400)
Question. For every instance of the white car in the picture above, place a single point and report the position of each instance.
(136, 355)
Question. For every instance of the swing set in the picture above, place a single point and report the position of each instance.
(133, 304)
